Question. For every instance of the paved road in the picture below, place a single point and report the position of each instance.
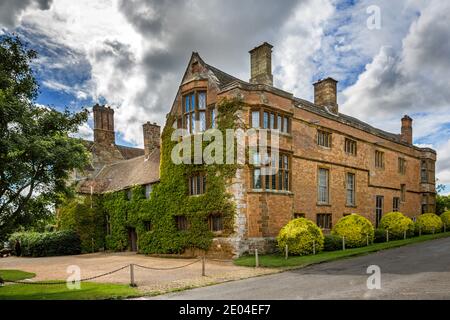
(420, 271)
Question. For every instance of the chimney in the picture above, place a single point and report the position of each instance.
(325, 94)
(261, 64)
(152, 136)
(407, 134)
(104, 125)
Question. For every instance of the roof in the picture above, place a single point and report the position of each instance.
(121, 175)
(126, 152)
(227, 81)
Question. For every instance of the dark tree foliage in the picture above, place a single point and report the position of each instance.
(36, 152)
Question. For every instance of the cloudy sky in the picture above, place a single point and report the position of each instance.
(131, 55)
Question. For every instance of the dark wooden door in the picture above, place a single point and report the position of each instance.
(132, 239)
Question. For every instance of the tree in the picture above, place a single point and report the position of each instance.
(36, 152)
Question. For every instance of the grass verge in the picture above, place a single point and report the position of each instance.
(278, 260)
(15, 275)
(88, 291)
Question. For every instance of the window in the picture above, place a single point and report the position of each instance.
(396, 204)
(379, 159)
(427, 174)
(379, 210)
(351, 189)
(181, 223)
(285, 128)
(215, 222)
(279, 123)
(212, 118)
(424, 171)
(324, 220)
(401, 165)
(108, 225)
(255, 119)
(299, 215)
(194, 111)
(323, 182)
(197, 184)
(147, 226)
(265, 120)
(403, 192)
(324, 138)
(283, 172)
(350, 146)
(264, 179)
(148, 191)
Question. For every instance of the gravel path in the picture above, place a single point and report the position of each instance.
(149, 281)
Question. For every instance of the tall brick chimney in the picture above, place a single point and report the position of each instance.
(325, 94)
(407, 133)
(104, 125)
(261, 64)
(152, 136)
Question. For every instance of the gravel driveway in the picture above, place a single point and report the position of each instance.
(149, 281)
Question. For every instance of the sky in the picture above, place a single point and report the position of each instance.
(391, 58)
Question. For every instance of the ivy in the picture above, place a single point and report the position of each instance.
(170, 198)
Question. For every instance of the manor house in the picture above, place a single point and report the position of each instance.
(331, 164)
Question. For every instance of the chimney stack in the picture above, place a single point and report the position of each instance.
(152, 136)
(325, 94)
(407, 134)
(104, 125)
(261, 64)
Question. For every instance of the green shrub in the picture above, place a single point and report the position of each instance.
(34, 244)
(86, 217)
(428, 223)
(332, 243)
(397, 223)
(300, 235)
(355, 229)
(445, 217)
(379, 236)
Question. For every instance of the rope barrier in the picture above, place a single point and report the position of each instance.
(114, 271)
(64, 282)
(172, 268)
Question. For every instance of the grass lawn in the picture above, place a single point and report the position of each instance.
(15, 275)
(88, 291)
(278, 260)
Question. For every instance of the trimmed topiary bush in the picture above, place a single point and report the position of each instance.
(445, 218)
(332, 243)
(355, 229)
(300, 235)
(428, 223)
(397, 223)
(35, 244)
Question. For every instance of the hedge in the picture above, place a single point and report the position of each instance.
(300, 235)
(428, 223)
(332, 243)
(355, 229)
(445, 217)
(397, 223)
(35, 244)
(86, 217)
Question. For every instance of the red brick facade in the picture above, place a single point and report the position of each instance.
(404, 171)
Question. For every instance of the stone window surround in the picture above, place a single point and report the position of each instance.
(277, 189)
(326, 139)
(328, 203)
(277, 113)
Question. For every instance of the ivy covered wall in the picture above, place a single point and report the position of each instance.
(170, 198)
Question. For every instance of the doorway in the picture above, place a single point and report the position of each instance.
(132, 239)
